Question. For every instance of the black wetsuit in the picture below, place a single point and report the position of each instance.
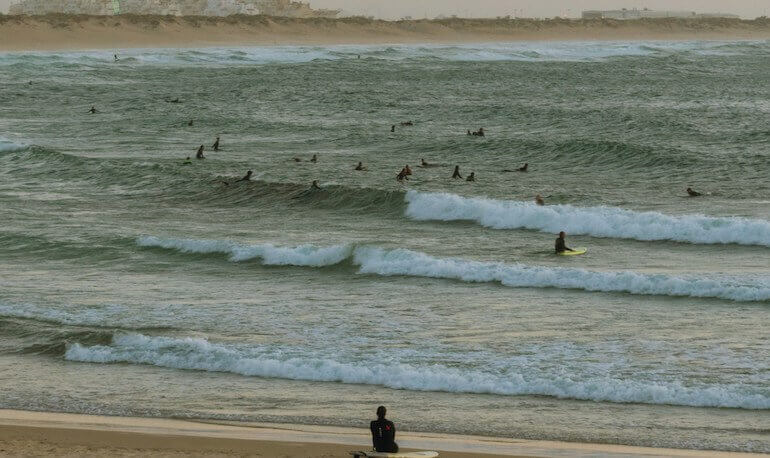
(560, 246)
(384, 436)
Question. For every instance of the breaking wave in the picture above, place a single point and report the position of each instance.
(595, 221)
(259, 361)
(378, 261)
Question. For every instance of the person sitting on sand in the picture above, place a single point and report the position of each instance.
(314, 159)
(247, 177)
(314, 185)
(360, 166)
(456, 173)
(93, 110)
(561, 246)
(215, 146)
(383, 433)
(524, 167)
(471, 177)
(199, 154)
(693, 193)
(539, 200)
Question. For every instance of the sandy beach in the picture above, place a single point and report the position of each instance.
(54, 32)
(58, 434)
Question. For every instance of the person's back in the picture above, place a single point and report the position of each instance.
(383, 433)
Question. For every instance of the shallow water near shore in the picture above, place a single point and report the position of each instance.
(133, 283)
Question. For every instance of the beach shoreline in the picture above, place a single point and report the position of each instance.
(81, 32)
(62, 434)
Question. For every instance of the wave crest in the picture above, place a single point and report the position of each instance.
(595, 221)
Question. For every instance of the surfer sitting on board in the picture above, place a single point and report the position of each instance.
(561, 247)
(383, 433)
(247, 177)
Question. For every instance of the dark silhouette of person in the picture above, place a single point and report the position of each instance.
(247, 177)
(314, 159)
(402, 175)
(539, 200)
(561, 246)
(314, 185)
(215, 146)
(93, 110)
(199, 154)
(383, 433)
(116, 57)
(456, 173)
(470, 133)
(190, 123)
(393, 128)
(471, 177)
(693, 193)
(360, 166)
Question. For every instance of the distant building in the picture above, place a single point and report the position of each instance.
(626, 14)
(171, 7)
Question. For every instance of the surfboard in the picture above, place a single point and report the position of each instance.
(394, 455)
(575, 252)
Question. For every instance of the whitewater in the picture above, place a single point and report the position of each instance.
(135, 282)
(595, 221)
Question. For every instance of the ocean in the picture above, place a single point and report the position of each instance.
(135, 283)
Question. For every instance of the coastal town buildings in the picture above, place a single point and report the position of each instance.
(626, 14)
(171, 7)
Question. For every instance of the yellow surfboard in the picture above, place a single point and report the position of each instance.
(574, 252)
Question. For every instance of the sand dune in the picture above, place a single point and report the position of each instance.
(56, 31)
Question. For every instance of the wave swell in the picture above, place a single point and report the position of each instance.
(200, 354)
(401, 262)
(595, 221)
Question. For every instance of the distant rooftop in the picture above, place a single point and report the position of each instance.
(647, 13)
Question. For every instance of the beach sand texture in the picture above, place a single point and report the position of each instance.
(57, 31)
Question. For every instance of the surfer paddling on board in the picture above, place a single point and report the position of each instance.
(692, 193)
(561, 246)
(383, 433)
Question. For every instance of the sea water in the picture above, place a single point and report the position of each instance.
(132, 283)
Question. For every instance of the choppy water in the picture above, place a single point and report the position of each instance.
(131, 283)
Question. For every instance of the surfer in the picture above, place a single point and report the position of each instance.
(456, 173)
(116, 57)
(524, 167)
(693, 193)
(561, 247)
(93, 110)
(360, 166)
(189, 124)
(479, 133)
(383, 433)
(314, 186)
(314, 159)
(296, 159)
(247, 177)
(215, 146)
(199, 154)
(407, 170)
(187, 161)
(393, 128)
(469, 132)
(539, 200)
(471, 177)
(402, 175)
(423, 163)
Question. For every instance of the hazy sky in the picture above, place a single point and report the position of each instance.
(537, 8)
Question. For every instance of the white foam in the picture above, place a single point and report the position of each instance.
(411, 263)
(262, 361)
(7, 146)
(378, 261)
(596, 221)
(303, 255)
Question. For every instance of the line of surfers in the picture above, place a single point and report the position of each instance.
(405, 172)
